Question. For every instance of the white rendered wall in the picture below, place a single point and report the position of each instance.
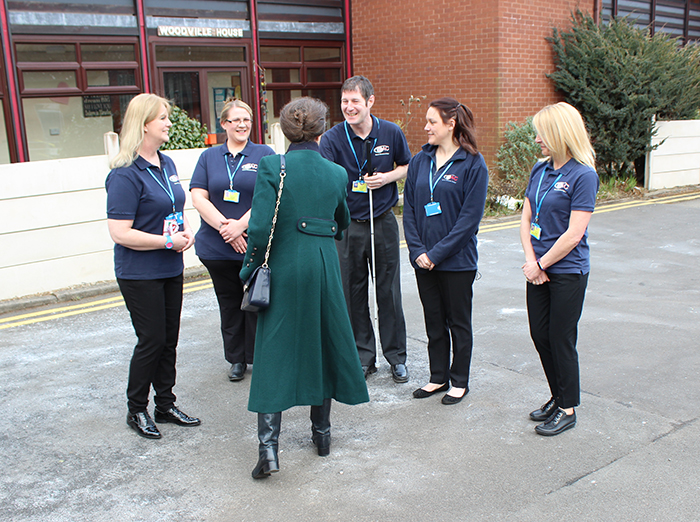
(676, 162)
(53, 223)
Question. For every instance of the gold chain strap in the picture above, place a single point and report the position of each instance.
(283, 174)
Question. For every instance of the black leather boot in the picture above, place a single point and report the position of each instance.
(268, 435)
(321, 427)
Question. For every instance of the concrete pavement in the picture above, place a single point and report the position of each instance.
(67, 454)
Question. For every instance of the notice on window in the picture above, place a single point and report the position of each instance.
(97, 106)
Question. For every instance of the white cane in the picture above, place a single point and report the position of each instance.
(375, 317)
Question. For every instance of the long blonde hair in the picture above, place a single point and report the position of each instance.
(142, 109)
(561, 128)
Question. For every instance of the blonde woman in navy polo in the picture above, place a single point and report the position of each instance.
(444, 200)
(559, 202)
(145, 216)
(222, 190)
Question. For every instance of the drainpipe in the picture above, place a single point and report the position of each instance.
(255, 38)
(143, 45)
(348, 40)
(12, 85)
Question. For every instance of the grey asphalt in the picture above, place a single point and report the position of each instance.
(67, 454)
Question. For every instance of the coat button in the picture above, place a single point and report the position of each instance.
(332, 229)
(303, 225)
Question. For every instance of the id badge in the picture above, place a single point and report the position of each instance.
(170, 226)
(359, 185)
(433, 209)
(232, 196)
(535, 230)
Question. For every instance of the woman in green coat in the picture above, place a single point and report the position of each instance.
(304, 346)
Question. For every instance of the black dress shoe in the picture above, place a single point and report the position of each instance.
(557, 423)
(545, 411)
(399, 373)
(176, 417)
(142, 424)
(420, 393)
(369, 370)
(449, 399)
(237, 372)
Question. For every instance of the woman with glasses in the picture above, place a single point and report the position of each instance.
(222, 190)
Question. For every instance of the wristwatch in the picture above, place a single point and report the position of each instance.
(168, 242)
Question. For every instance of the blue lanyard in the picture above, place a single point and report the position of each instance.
(169, 190)
(357, 161)
(538, 202)
(228, 169)
(433, 182)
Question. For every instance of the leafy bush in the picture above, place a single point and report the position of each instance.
(186, 132)
(518, 154)
(514, 161)
(619, 78)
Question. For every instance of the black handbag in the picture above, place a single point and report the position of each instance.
(256, 290)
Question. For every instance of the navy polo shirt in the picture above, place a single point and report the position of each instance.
(212, 175)
(133, 194)
(448, 238)
(389, 148)
(576, 189)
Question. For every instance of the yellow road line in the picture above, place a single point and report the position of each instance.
(93, 306)
(113, 302)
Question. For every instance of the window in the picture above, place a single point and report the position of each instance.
(679, 18)
(298, 70)
(74, 92)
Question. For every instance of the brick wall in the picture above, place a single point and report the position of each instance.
(490, 55)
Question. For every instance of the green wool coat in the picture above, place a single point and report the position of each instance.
(304, 346)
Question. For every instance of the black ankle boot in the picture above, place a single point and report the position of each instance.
(321, 427)
(268, 435)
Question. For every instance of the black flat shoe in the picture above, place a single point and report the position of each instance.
(369, 370)
(545, 411)
(237, 372)
(449, 399)
(557, 423)
(142, 424)
(420, 393)
(176, 417)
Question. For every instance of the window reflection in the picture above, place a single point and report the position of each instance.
(4, 144)
(49, 79)
(72, 126)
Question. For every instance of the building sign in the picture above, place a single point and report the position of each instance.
(97, 106)
(200, 32)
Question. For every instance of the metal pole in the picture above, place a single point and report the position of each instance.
(375, 322)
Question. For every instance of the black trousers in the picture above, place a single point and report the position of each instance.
(155, 307)
(237, 326)
(355, 254)
(447, 309)
(554, 310)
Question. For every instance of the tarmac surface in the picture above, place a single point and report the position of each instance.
(67, 454)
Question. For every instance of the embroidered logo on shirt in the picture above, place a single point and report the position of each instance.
(381, 150)
(450, 177)
(250, 167)
(561, 186)
(174, 178)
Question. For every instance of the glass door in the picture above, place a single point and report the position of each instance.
(202, 92)
(183, 89)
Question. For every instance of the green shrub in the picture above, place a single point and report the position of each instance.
(186, 132)
(619, 78)
(514, 161)
(518, 154)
